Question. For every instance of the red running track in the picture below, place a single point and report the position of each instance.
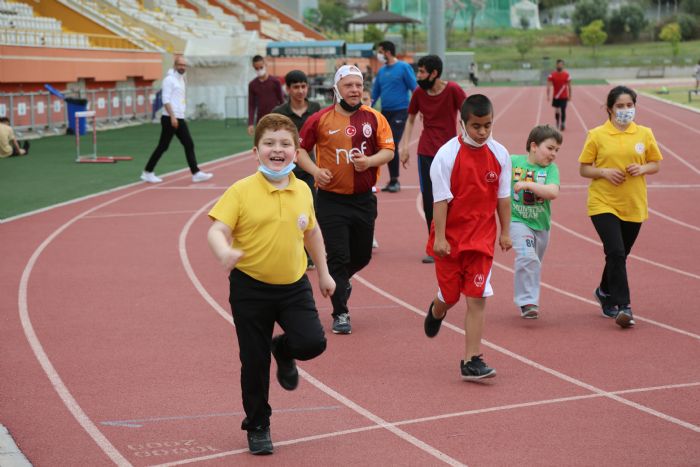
(117, 345)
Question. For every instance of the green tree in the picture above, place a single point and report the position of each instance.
(588, 11)
(671, 33)
(691, 7)
(524, 43)
(372, 34)
(593, 35)
(334, 14)
(629, 19)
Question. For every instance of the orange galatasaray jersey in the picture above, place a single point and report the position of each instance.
(339, 137)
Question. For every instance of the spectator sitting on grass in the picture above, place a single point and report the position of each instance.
(9, 146)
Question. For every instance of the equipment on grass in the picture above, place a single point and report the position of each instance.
(92, 158)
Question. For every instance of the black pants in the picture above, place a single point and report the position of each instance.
(347, 223)
(426, 187)
(166, 135)
(256, 306)
(561, 105)
(397, 122)
(617, 236)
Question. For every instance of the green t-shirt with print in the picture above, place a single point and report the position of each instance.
(526, 207)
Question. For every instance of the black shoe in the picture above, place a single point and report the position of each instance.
(26, 147)
(476, 369)
(287, 374)
(259, 441)
(427, 260)
(431, 325)
(392, 187)
(609, 311)
(624, 317)
(341, 324)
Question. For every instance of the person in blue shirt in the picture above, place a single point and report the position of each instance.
(392, 85)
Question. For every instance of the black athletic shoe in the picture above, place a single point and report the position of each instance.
(476, 369)
(427, 259)
(431, 325)
(26, 147)
(341, 324)
(392, 187)
(259, 441)
(624, 317)
(287, 374)
(609, 311)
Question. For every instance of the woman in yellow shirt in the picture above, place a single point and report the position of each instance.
(617, 156)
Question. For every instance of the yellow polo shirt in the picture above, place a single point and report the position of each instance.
(268, 224)
(608, 147)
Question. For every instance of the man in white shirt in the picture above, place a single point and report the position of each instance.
(173, 123)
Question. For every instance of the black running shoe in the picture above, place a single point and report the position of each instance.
(428, 259)
(476, 369)
(341, 324)
(287, 374)
(259, 441)
(624, 317)
(392, 187)
(609, 311)
(431, 325)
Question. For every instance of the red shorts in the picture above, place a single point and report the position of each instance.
(468, 274)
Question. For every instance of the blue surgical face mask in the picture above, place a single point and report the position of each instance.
(276, 175)
(624, 116)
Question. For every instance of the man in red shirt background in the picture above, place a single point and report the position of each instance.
(559, 88)
(264, 94)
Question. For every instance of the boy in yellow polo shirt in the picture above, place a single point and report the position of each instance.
(261, 225)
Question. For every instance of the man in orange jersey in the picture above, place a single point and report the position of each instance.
(352, 140)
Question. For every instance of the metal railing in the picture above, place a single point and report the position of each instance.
(45, 38)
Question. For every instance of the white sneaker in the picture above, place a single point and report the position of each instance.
(201, 176)
(375, 243)
(150, 177)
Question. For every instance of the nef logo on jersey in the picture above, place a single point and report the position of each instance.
(367, 130)
(350, 131)
(479, 280)
(491, 176)
(349, 154)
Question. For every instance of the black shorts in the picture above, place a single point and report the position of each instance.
(561, 103)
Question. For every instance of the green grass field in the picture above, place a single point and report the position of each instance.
(49, 174)
(679, 95)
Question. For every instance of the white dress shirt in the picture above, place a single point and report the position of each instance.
(174, 94)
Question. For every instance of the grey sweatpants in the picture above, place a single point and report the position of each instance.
(529, 246)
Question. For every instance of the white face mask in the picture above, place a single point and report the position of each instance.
(381, 58)
(468, 139)
(624, 116)
(261, 72)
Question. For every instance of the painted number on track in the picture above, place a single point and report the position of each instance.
(168, 448)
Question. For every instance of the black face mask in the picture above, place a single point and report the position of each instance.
(349, 108)
(426, 84)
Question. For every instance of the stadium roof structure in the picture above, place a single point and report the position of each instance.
(388, 18)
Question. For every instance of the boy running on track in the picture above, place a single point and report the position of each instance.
(471, 179)
(559, 88)
(261, 225)
(535, 184)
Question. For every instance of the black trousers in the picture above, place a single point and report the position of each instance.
(561, 105)
(166, 135)
(617, 236)
(256, 307)
(347, 223)
(397, 123)
(426, 187)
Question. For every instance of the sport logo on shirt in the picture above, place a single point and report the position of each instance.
(639, 147)
(367, 130)
(302, 221)
(350, 130)
(491, 176)
(479, 280)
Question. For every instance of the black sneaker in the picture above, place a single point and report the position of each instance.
(476, 369)
(341, 324)
(428, 260)
(287, 374)
(392, 187)
(609, 311)
(431, 325)
(259, 442)
(624, 317)
(529, 312)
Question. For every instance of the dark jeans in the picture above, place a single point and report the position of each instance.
(166, 135)
(256, 306)
(347, 223)
(426, 187)
(397, 122)
(617, 236)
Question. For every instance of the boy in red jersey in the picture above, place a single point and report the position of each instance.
(559, 88)
(471, 179)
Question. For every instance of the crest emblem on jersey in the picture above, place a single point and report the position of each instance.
(303, 221)
(350, 131)
(639, 147)
(479, 280)
(491, 176)
(367, 129)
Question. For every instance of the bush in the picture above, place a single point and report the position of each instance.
(588, 11)
(691, 7)
(690, 29)
(629, 19)
(593, 35)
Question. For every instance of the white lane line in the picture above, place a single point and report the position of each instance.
(671, 119)
(137, 214)
(315, 382)
(532, 363)
(674, 220)
(435, 418)
(638, 258)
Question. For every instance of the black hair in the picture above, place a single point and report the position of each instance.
(477, 105)
(560, 60)
(616, 92)
(295, 76)
(258, 58)
(431, 63)
(541, 133)
(4, 120)
(388, 46)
